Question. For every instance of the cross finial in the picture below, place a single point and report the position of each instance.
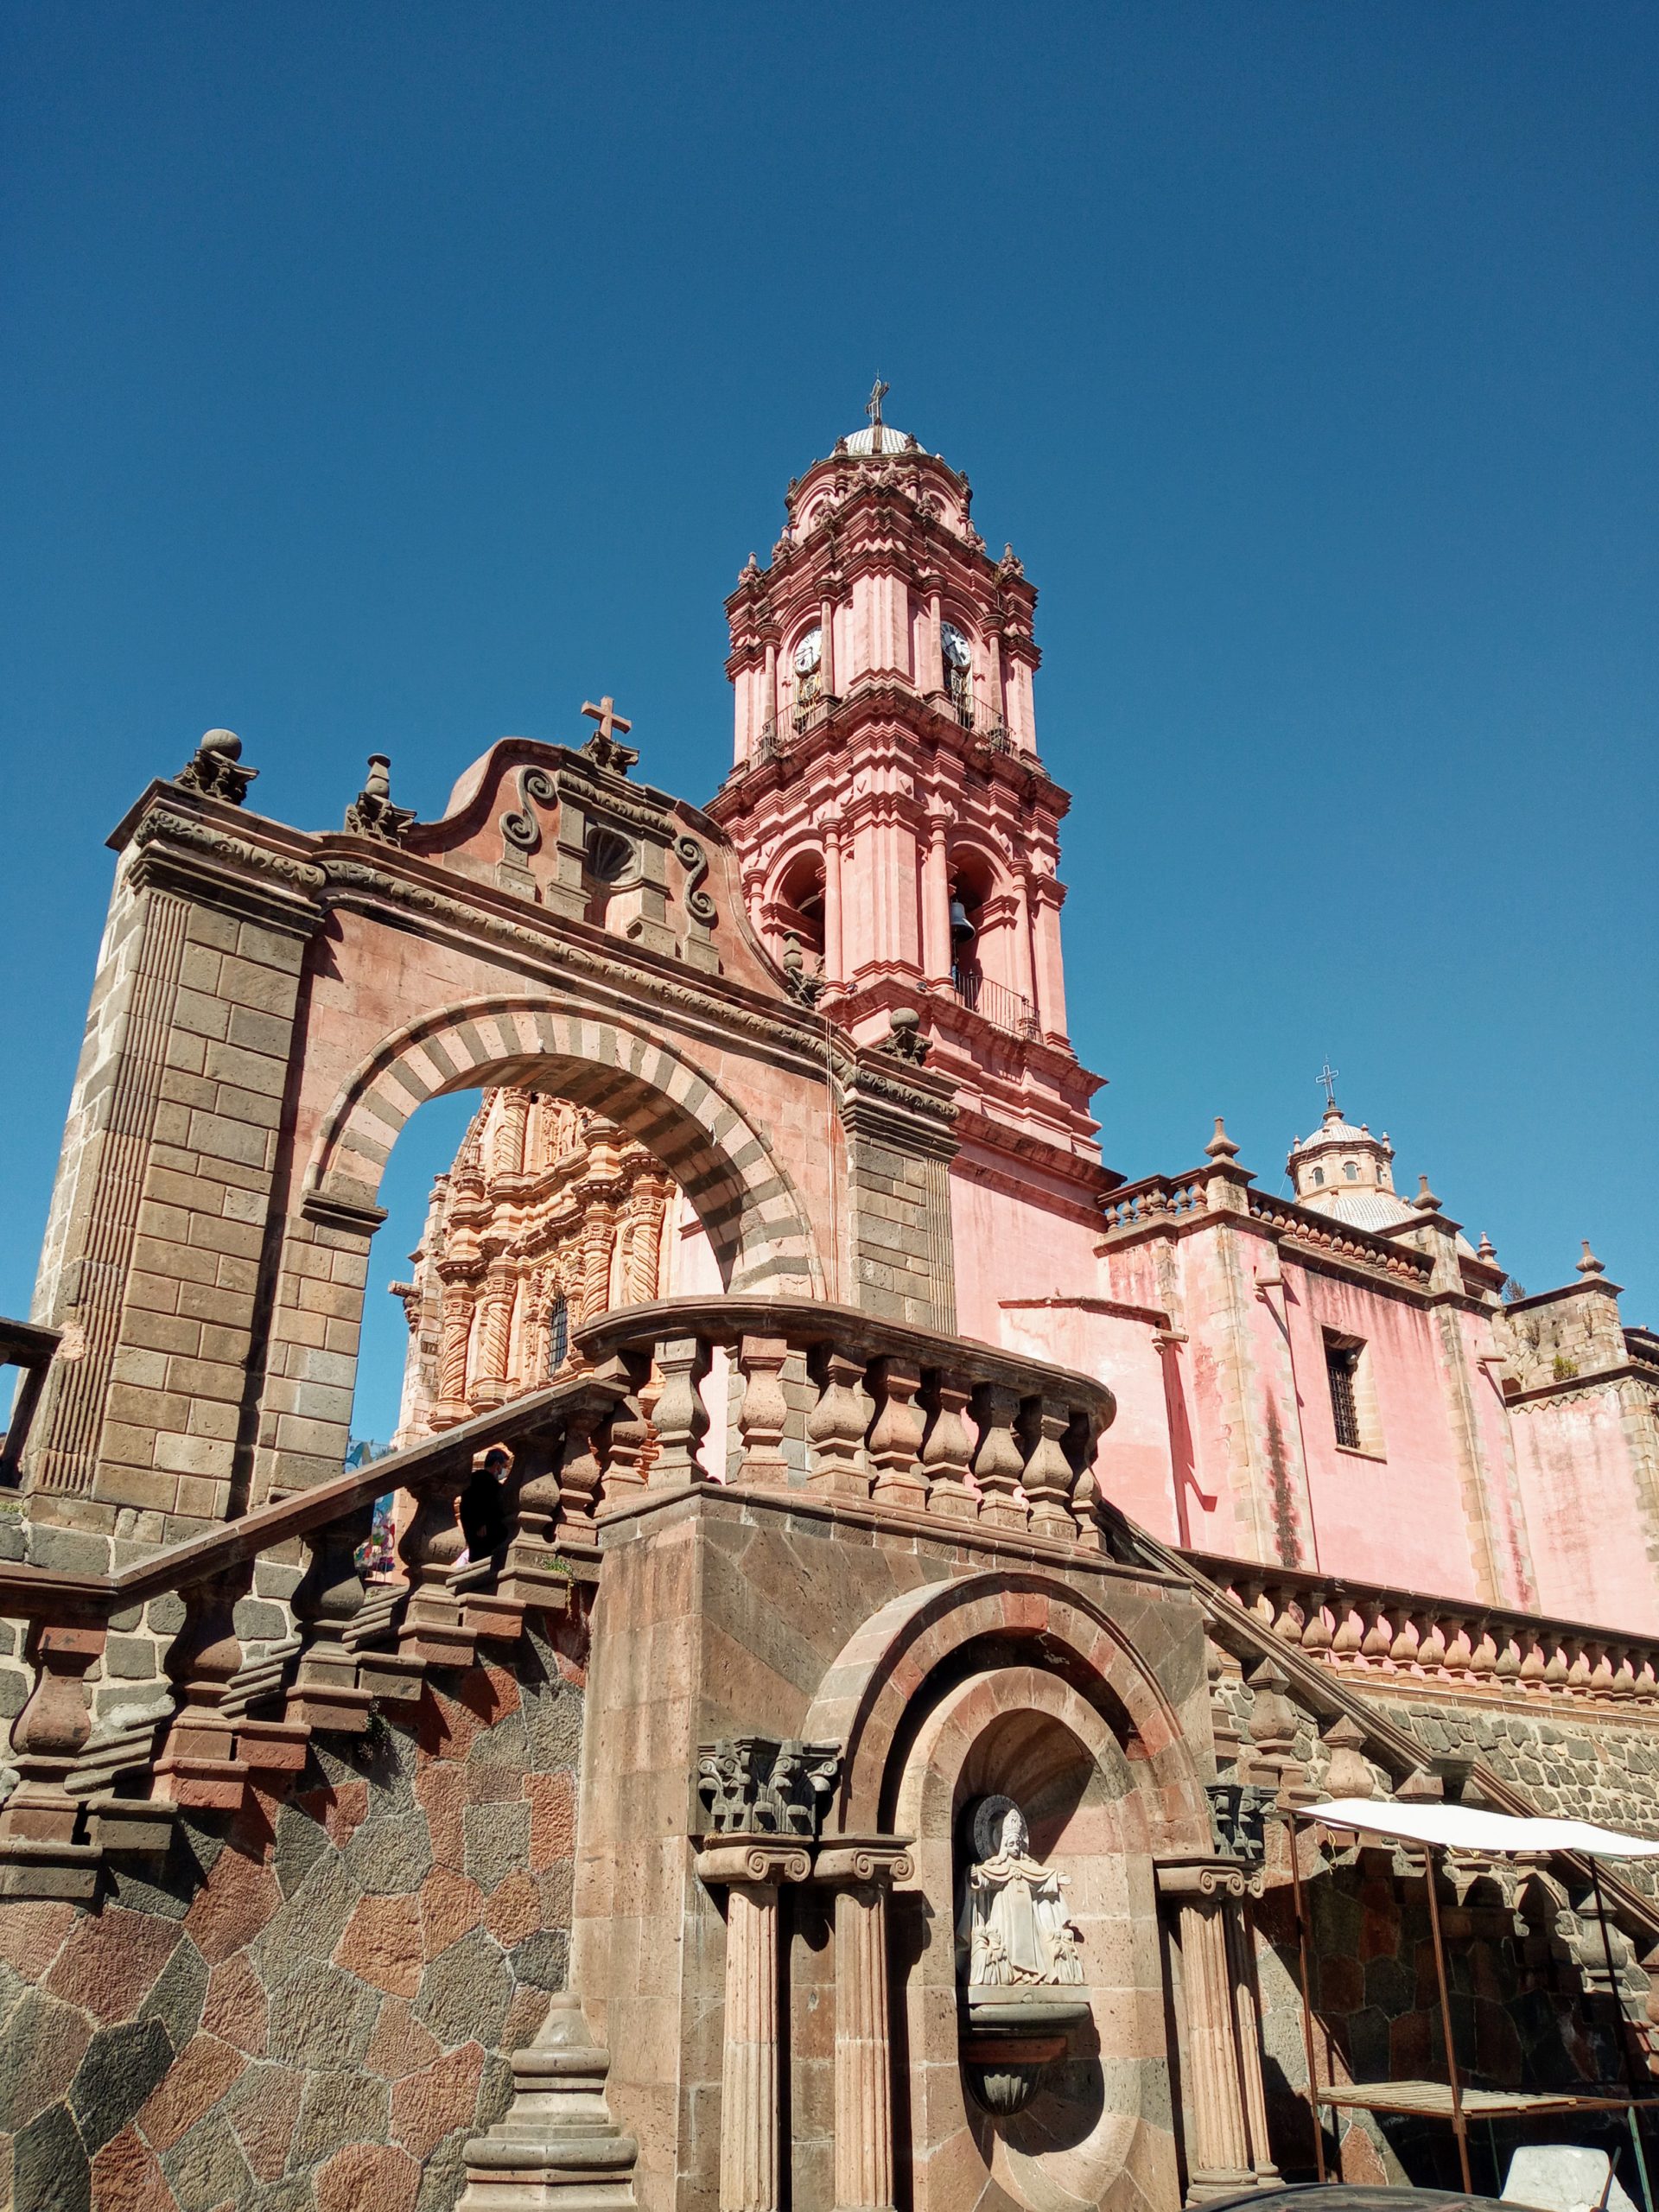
(606, 715)
(872, 404)
(1328, 1075)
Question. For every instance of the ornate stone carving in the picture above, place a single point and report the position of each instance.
(904, 1040)
(1013, 1924)
(215, 768)
(371, 813)
(758, 1785)
(521, 833)
(1238, 1812)
(693, 859)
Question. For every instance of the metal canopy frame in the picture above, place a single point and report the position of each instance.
(1450, 2098)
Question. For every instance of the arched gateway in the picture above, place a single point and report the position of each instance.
(272, 1005)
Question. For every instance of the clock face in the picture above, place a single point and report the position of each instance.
(808, 652)
(957, 651)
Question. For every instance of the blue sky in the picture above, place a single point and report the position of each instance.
(392, 378)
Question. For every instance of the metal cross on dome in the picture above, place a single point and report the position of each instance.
(1327, 1074)
(872, 404)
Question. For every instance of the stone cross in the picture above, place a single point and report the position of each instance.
(606, 715)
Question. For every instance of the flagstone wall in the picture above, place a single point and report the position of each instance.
(306, 2010)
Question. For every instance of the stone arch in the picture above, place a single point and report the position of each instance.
(748, 1207)
(886, 1672)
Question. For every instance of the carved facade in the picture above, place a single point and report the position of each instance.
(550, 1215)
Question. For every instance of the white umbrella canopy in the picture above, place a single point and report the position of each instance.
(1470, 1827)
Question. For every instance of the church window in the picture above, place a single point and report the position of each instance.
(959, 656)
(1319, 1175)
(558, 1334)
(1355, 1415)
(1340, 1362)
(1350, 1172)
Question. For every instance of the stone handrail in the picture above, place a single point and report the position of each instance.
(66, 1814)
(855, 1408)
(1366, 1629)
(883, 1413)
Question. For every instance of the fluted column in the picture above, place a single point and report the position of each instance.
(750, 1869)
(936, 902)
(1219, 2160)
(834, 957)
(863, 1873)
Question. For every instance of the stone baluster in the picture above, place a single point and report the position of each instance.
(1647, 1677)
(1408, 1639)
(1349, 1634)
(1506, 1667)
(681, 1419)
(581, 1469)
(432, 1629)
(895, 1439)
(750, 1869)
(1377, 1642)
(998, 1461)
(39, 1855)
(527, 1575)
(1431, 1647)
(1622, 1684)
(1558, 1665)
(835, 1426)
(1482, 1656)
(764, 1413)
(325, 1692)
(1288, 1617)
(1529, 1674)
(1218, 2152)
(1316, 1630)
(863, 1873)
(1460, 1649)
(1081, 1445)
(628, 1438)
(1049, 1476)
(198, 1766)
(946, 1452)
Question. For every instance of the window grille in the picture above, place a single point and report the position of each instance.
(1341, 1362)
(558, 1334)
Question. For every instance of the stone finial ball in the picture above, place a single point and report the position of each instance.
(224, 742)
(904, 1018)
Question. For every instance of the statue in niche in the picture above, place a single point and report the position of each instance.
(1013, 1925)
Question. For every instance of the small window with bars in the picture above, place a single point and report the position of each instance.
(558, 1334)
(1354, 1412)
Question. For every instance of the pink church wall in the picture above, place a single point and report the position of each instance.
(1592, 1545)
(1397, 1517)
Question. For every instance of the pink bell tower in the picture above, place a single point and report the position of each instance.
(899, 834)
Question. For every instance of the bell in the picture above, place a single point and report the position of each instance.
(961, 928)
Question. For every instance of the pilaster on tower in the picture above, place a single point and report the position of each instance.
(899, 834)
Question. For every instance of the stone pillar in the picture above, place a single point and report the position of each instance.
(826, 647)
(151, 1267)
(936, 902)
(558, 2146)
(834, 961)
(864, 1872)
(507, 1151)
(1221, 2049)
(1049, 978)
(751, 1868)
(933, 673)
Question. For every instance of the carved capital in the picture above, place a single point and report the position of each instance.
(754, 1859)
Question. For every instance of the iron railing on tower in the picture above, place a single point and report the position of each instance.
(1004, 1009)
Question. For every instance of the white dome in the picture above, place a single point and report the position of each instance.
(862, 442)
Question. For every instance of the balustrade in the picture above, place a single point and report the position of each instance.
(856, 1412)
(1408, 1636)
(897, 1417)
